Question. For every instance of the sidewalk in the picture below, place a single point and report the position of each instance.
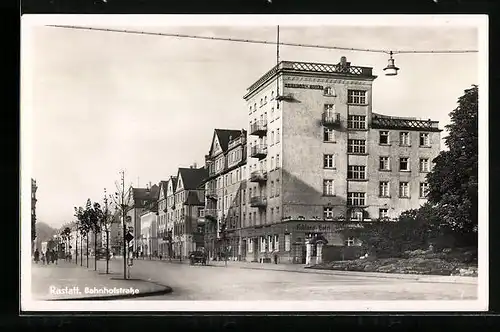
(69, 281)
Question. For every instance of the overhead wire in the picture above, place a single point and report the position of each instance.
(254, 41)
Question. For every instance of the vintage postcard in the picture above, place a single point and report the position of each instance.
(254, 163)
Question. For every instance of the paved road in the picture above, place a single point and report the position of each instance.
(233, 283)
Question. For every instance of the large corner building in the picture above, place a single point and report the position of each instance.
(317, 159)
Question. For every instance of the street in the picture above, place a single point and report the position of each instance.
(241, 282)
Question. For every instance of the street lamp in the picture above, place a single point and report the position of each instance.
(391, 69)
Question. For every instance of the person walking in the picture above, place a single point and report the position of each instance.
(43, 259)
(48, 256)
(36, 256)
(54, 256)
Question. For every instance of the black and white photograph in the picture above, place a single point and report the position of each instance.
(254, 163)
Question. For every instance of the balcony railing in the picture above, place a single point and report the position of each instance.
(211, 213)
(258, 151)
(211, 193)
(258, 128)
(258, 176)
(258, 201)
(330, 119)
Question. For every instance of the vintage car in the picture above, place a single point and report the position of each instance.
(198, 256)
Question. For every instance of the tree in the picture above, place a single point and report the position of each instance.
(83, 229)
(66, 236)
(95, 219)
(453, 183)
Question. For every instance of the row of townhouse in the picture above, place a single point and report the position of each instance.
(313, 160)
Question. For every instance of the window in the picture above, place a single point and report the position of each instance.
(278, 212)
(356, 122)
(277, 187)
(328, 188)
(277, 161)
(424, 189)
(272, 163)
(356, 146)
(261, 102)
(404, 164)
(272, 137)
(329, 91)
(328, 161)
(270, 243)
(272, 189)
(356, 97)
(404, 189)
(329, 110)
(404, 138)
(262, 244)
(250, 112)
(384, 137)
(272, 95)
(201, 213)
(272, 113)
(265, 100)
(384, 163)
(276, 243)
(254, 107)
(328, 212)
(356, 199)
(349, 242)
(277, 135)
(250, 245)
(328, 135)
(424, 164)
(384, 189)
(424, 139)
(383, 213)
(356, 172)
(272, 214)
(356, 215)
(287, 242)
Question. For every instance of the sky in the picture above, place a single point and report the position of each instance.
(105, 101)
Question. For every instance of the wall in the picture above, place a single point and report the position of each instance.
(303, 136)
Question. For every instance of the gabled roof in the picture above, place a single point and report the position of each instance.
(144, 194)
(173, 180)
(224, 136)
(192, 177)
(194, 198)
(164, 186)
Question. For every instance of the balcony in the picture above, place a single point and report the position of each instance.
(258, 201)
(211, 193)
(211, 214)
(258, 151)
(330, 119)
(258, 176)
(258, 128)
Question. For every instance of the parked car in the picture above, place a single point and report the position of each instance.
(198, 256)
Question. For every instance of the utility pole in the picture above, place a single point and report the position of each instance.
(106, 225)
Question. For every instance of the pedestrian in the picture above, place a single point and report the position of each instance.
(43, 259)
(37, 256)
(48, 256)
(54, 256)
(161, 256)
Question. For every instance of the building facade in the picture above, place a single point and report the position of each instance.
(141, 198)
(224, 187)
(149, 226)
(185, 207)
(34, 188)
(329, 161)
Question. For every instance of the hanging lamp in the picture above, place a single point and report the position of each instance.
(391, 69)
